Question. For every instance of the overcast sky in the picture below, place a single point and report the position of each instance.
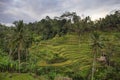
(34, 10)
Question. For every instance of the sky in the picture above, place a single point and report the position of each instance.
(35, 10)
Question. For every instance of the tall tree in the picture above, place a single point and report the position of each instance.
(96, 45)
(19, 38)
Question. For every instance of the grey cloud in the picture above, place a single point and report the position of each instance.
(32, 10)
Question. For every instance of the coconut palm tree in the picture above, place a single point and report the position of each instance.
(96, 45)
(19, 38)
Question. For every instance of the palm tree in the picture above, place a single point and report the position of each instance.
(96, 45)
(19, 38)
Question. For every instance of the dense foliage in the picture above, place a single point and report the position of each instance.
(52, 47)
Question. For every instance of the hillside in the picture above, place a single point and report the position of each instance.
(71, 51)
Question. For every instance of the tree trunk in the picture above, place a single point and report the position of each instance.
(26, 54)
(79, 36)
(19, 59)
(93, 67)
(10, 52)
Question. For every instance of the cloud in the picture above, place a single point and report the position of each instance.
(34, 10)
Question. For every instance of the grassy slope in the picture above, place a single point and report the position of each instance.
(78, 54)
(68, 47)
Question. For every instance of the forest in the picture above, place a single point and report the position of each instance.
(66, 47)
